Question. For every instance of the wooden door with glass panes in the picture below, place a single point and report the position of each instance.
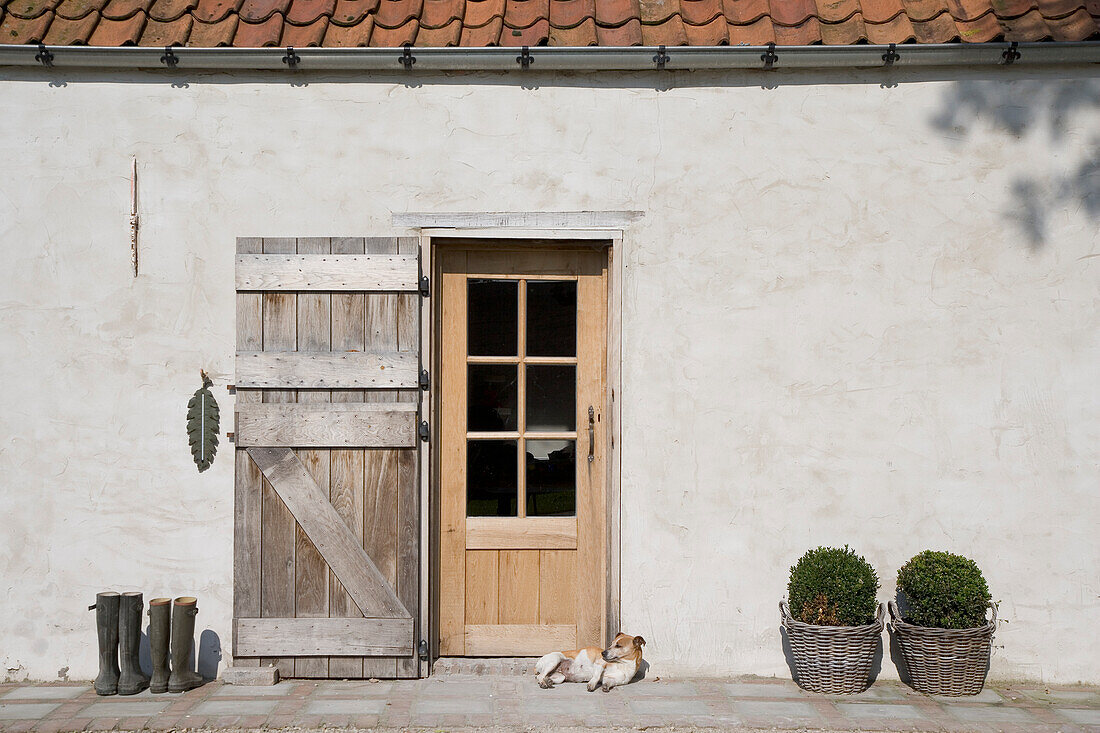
(522, 539)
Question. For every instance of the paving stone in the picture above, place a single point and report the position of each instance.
(250, 676)
(767, 710)
(546, 705)
(457, 688)
(875, 692)
(26, 710)
(451, 706)
(989, 714)
(863, 711)
(122, 709)
(986, 695)
(658, 689)
(45, 693)
(1071, 696)
(372, 689)
(1081, 716)
(364, 706)
(235, 707)
(764, 689)
(279, 690)
(668, 707)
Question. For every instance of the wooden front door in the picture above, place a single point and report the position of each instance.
(522, 496)
(326, 540)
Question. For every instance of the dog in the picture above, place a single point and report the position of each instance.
(608, 668)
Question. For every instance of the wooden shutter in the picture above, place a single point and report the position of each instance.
(326, 536)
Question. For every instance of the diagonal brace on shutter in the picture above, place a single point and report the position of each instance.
(328, 532)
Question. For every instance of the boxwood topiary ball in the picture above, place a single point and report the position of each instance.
(944, 591)
(833, 586)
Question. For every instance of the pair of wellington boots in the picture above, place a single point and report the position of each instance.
(118, 627)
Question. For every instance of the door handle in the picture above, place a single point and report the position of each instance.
(591, 434)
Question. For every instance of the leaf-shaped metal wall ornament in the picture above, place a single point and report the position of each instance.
(202, 425)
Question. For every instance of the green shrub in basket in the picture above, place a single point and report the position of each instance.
(944, 591)
(833, 586)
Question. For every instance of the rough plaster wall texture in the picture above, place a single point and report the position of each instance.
(837, 325)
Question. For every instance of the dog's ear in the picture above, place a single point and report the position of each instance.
(639, 641)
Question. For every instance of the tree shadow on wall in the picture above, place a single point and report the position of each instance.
(1056, 108)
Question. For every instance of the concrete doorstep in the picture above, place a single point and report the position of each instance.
(507, 701)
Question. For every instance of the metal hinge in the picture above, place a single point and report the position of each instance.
(424, 291)
(425, 380)
(422, 648)
(424, 432)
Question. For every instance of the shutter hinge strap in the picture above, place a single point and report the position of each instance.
(425, 380)
(425, 432)
(424, 291)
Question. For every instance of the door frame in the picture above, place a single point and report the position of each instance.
(430, 239)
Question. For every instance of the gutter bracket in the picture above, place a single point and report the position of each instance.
(169, 59)
(1012, 53)
(891, 55)
(661, 58)
(524, 59)
(291, 59)
(44, 56)
(769, 57)
(406, 58)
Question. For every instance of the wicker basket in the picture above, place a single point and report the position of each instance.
(833, 659)
(944, 661)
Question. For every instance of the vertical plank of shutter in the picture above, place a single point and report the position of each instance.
(248, 481)
(346, 477)
(277, 547)
(408, 480)
(380, 465)
(310, 569)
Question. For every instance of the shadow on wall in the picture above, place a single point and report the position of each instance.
(1052, 108)
(206, 656)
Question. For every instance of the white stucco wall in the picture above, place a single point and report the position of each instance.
(836, 328)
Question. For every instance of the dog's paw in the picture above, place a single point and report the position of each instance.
(592, 688)
(606, 688)
(545, 684)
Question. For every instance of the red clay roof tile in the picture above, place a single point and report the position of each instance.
(118, 32)
(627, 34)
(172, 33)
(165, 11)
(482, 12)
(28, 9)
(394, 37)
(14, 29)
(835, 11)
(614, 13)
(339, 36)
(571, 13)
(897, 30)
(583, 34)
(77, 9)
(482, 35)
(1028, 27)
(700, 12)
(1011, 8)
(654, 12)
(441, 14)
(304, 36)
(214, 11)
(305, 12)
(792, 12)
(880, 11)
(353, 12)
(536, 34)
(940, 29)
(212, 35)
(758, 33)
(744, 11)
(525, 13)
(396, 13)
(844, 33)
(64, 32)
(123, 9)
(982, 30)
(669, 33)
(714, 33)
(449, 35)
(259, 11)
(258, 35)
(922, 10)
(1073, 27)
(966, 9)
(806, 34)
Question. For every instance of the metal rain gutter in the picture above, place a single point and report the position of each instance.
(550, 58)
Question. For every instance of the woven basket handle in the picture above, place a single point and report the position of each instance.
(993, 620)
(784, 613)
(880, 617)
(895, 614)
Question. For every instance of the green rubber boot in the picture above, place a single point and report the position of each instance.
(160, 631)
(106, 626)
(184, 610)
(131, 681)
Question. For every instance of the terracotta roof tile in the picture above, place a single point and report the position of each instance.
(482, 12)
(482, 35)
(1028, 27)
(700, 12)
(758, 33)
(922, 10)
(982, 30)
(1074, 26)
(14, 29)
(259, 11)
(844, 33)
(395, 37)
(118, 32)
(213, 11)
(396, 13)
(173, 33)
(304, 36)
(897, 30)
(966, 9)
(714, 33)
(627, 34)
(257, 35)
(165, 11)
(792, 12)
(28, 9)
(77, 9)
(669, 33)
(212, 35)
(537, 34)
(353, 12)
(836, 11)
(940, 29)
(579, 35)
(351, 36)
(614, 13)
(745, 11)
(805, 34)
(305, 12)
(448, 35)
(571, 13)
(655, 12)
(441, 13)
(123, 9)
(880, 11)
(64, 32)
(525, 13)
(1011, 8)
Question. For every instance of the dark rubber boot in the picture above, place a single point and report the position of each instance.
(131, 681)
(160, 625)
(106, 626)
(184, 610)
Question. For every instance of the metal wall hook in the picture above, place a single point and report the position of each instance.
(769, 57)
(291, 59)
(406, 58)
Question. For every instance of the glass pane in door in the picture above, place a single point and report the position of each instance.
(492, 314)
(492, 397)
(551, 397)
(551, 478)
(492, 488)
(552, 318)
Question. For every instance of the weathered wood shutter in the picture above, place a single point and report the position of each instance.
(326, 536)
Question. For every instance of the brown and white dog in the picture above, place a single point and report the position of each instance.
(606, 668)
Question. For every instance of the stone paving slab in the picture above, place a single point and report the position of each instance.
(1084, 717)
(863, 711)
(26, 710)
(45, 692)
